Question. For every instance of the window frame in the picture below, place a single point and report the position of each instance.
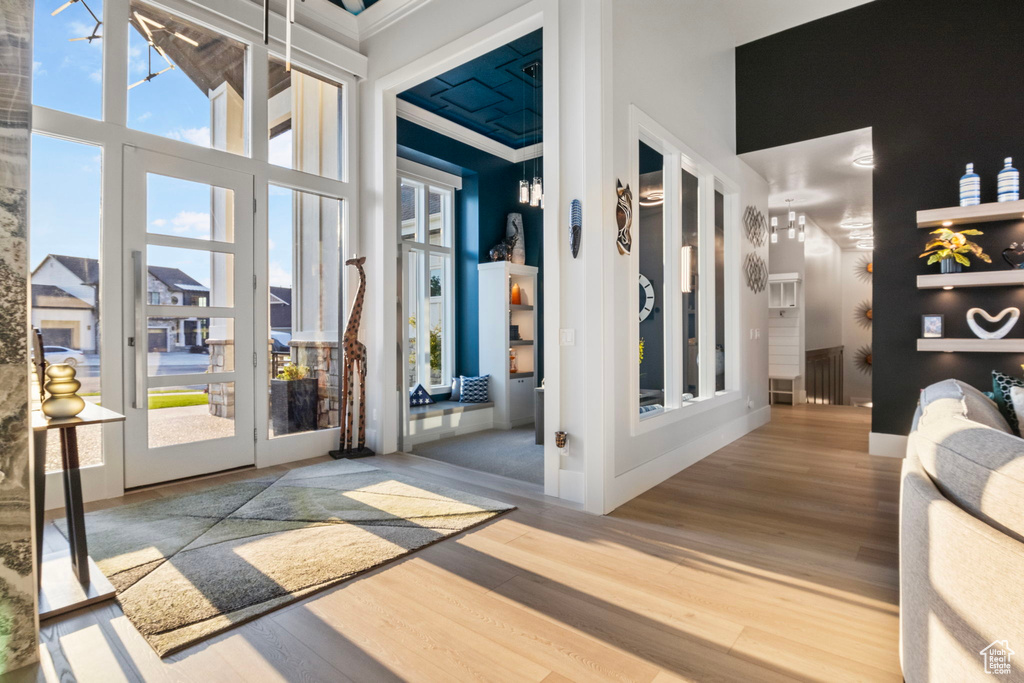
(427, 181)
(677, 156)
(317, 55)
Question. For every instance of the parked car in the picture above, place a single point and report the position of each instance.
(62, 354)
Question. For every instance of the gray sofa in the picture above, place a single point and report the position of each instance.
(961, 539)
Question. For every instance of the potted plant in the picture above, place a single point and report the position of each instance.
(951, 248)
(293, 399)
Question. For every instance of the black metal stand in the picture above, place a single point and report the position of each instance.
(350, 453)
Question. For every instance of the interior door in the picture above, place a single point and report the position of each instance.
(189, 289)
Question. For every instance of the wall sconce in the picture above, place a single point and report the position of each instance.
(685, 280)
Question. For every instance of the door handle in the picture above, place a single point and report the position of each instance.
(137, 339)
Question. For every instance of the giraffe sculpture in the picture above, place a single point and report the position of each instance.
(355, 361)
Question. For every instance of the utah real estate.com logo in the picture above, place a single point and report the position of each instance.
(997, 658)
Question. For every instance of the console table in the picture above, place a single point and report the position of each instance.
(67, 580)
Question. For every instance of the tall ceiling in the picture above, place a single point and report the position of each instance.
(491, 94)
(754, 19)
(820, 177)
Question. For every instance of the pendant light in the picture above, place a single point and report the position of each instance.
(531, 191)
(775, 230)
(795, 224)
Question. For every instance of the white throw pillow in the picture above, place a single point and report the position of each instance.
(1017, 398)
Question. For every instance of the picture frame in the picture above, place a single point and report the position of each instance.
(933, 326)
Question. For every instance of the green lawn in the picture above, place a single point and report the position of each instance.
(179, 400)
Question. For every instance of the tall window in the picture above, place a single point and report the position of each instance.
(425, 230)
(689, 256)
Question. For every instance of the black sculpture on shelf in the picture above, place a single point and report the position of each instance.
(502, 251)
(1014, 255)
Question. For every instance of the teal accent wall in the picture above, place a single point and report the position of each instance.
(489, 193)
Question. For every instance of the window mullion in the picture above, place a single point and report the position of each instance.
(115, 63)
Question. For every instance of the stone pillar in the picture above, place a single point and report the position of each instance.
(321, 357)
(18, 645)
(222, 396)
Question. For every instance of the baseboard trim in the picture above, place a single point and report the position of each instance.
(887, 445)
(631, 484)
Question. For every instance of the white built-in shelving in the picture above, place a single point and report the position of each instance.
(968, 345)
(511, 392)
(986, 278)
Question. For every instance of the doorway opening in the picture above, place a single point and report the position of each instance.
(470, 210)
(821, 241)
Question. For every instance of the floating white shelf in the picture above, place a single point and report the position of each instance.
(1015, 345)
(964, 215)
(990, 278)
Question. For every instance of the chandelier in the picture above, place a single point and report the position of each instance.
(796, 227)
(531, 191)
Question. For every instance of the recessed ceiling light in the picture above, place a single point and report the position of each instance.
(866, 244)
(866, 235)
(865, 161)
(855, 225)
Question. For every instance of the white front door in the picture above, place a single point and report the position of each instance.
(189, 304)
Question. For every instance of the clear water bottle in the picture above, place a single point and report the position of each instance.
(1009, 182)
(970, 188)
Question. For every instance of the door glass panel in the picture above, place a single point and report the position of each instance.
(435, 220)
(185, 82)
(691, 299)
(413, 278)
(67, 67)
(435, 320)
(183, 346)
(304, 247)
(305, 114)
(189, 277)
(65, 284)
(409, 225)
(185, 414)
(183, 208)
(650, 238)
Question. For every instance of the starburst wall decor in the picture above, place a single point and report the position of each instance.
(864, 269)
(862, 359)
(864, 314)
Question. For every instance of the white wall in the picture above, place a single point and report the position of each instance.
(856, 289)
(674, 60)
(823, 290)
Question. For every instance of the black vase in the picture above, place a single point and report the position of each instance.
(950, 265)
(293, 405)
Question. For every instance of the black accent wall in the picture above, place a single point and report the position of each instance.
(940, 83)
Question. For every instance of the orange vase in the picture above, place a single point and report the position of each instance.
(516, 297)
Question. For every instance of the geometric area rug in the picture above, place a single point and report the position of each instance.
(190, 566)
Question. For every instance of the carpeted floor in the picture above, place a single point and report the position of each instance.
(188, 567)
(511, 453)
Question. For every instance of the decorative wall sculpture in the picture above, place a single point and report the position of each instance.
(862, 359)
(982, 333)
(624, 218)
(865, 269)
(864, 314)
(756, 271)
(755, 225)
(514, 232)
(575, 227)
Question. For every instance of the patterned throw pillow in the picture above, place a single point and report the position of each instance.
(1001, 384)
(420, 397)
(474, 389)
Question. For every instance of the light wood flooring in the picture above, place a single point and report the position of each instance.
(773, 559)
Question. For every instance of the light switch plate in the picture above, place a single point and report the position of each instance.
(567, 337)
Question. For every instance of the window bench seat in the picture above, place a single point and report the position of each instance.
(445, 419)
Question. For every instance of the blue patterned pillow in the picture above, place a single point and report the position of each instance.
(420, 397)
(1001, 384)
(474, 389)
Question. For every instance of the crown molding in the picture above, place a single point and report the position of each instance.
(383, 14)
(438, 124)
